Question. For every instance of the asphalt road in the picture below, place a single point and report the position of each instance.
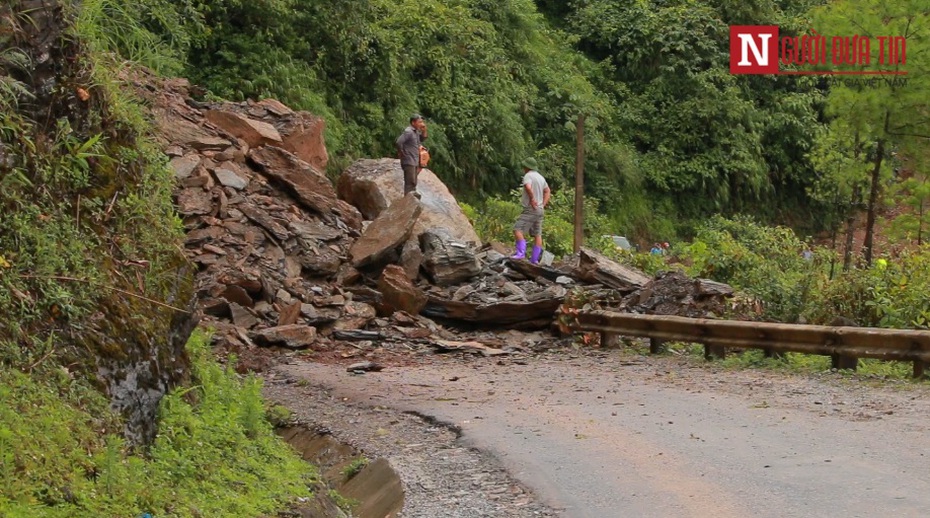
(602, 438)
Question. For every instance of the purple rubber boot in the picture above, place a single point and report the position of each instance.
(521, 250)
(537, 253)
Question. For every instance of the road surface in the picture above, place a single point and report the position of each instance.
(603, 436)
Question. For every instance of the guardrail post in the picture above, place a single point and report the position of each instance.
(919, 368)
(840, 361)
(769, 353)
(712, 351)
(609, 340)
(657, 346)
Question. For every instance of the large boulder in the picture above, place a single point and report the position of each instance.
(373, 185)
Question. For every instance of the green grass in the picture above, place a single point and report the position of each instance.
(799, 363)
(354, 467)
(215, 454)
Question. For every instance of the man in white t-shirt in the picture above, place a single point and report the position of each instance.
(536, 195)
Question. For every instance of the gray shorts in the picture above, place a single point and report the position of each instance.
(530, 222)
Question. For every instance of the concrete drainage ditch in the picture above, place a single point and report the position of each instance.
(374, 487)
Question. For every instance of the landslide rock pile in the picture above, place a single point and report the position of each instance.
(285, 259)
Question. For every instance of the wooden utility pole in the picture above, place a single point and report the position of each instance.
(579, 186)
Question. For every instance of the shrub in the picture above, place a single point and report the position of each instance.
(765, 262)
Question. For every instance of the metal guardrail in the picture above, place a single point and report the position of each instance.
(845, 345)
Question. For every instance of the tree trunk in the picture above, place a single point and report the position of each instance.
(920, 223)
(874, 190)
(834, 230)
(854, 199)
(850, 222)
(579, 186)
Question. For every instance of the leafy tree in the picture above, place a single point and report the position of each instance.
(891, 116)
(717, 141)
(914, 192)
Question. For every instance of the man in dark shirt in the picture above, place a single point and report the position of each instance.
(408, 148)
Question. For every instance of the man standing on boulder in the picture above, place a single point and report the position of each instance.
(535, 198)
(408, 149)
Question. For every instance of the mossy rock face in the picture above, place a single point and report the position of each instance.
(137, 350)
(113, 258)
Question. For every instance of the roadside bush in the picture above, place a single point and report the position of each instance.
(764, 262)
(893, 293)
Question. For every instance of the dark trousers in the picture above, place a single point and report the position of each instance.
(410, 178)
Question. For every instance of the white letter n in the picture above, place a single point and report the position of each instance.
(762, 58)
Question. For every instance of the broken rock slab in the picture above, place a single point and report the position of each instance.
(411, 258)
(373, 185)
(387, 232)
(192, 201)
(183, 166)
(537, 314)
(294, 336)
(398, 292)
(595, 268)
(228, 176)
(447, 261)
(310, 186)
(303, 136)
(254, 133)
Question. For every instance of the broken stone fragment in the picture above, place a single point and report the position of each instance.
(304, 138)
(229, 177)
(446, 261)
(364, 367)
(267, 222)
(387, 232)
(411, 258)
(205, 143)
(399, 293)
(322, 263)
(311, 187)
(294, 336)
(254, 133)
(276, 107)
(242, 317)
(319, 316)
(289, 314)
(355, 315)
(184, 166)
(193, 201)
(596, 268)
(238, 295)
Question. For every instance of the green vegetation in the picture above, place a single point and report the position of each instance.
(75, 183)
(346, 504)
(670, 135)
(215, 454)
(90, 267)
(354, 467)
(798, 362)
